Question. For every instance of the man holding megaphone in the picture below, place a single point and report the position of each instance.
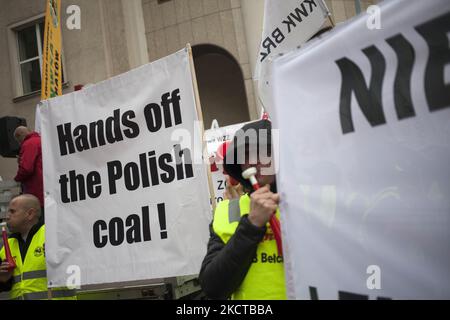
(27, 280)
(244, 258)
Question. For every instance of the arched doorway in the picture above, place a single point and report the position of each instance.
(221, 86)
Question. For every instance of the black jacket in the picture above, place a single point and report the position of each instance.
(225, 265)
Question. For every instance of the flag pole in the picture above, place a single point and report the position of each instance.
(325, 8)
(200, 118)
(331, 20)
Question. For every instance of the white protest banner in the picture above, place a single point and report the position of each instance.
(124, 200)
(364, 157)
(287, 25)
(215, 137)
(37, 118)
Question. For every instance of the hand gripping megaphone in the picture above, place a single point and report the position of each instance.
(9, 258)
(250, 174)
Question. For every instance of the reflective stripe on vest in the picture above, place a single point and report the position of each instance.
(30, 275)
(42, 295)
(265, 277)
(234, 211)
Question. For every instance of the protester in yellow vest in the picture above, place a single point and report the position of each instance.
(242, 261)
(28, 281)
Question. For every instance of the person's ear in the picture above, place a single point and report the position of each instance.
(31, 213)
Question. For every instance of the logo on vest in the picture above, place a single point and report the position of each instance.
(268, 258)
(268, 237)
(39, 251)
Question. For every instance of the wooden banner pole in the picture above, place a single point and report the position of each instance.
(200, 118)
(331, 20)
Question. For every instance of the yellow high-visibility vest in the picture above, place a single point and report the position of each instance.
(265, 277)
(30, 276)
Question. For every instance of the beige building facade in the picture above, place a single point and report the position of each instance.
(118, 35)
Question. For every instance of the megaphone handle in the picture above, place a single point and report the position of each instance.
(275, 225)
(8, 256)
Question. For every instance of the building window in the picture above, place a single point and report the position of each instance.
(30, 41)
(27, 47)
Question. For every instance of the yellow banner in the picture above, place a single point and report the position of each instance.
(51, 65)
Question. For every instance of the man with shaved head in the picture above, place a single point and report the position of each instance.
(29, 173)
(23, 213)
(28, 280)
